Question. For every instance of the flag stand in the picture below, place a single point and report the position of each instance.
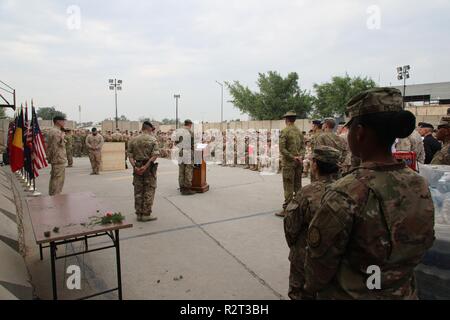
(35, 192)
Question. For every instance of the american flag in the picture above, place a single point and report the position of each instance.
(38, 151)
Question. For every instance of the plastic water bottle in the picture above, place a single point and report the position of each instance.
(445, 212)
(443, 184)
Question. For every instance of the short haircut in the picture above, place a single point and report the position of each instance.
(327, 168)
(330, 123)
(147, 125)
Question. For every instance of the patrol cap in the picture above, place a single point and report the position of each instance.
(148, 124)
(290, 114)
(444, 123)
(426, 125)
(187, 122)
(374, 101)
(317, 122)
(59, 118)
(326, 154)
(94, 129)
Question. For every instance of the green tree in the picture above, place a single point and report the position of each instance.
(332, 97)
(276, 96)
(48, 113)
(166, 121)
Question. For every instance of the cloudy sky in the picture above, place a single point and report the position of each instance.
(62, 53)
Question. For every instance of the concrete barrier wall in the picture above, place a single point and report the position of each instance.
(123, 126)
(302, 124)
(14, 277)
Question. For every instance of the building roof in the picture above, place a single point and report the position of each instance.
(439, 91)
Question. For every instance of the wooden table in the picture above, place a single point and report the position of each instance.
(71, 213)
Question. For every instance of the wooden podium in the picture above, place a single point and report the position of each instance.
(199, 183)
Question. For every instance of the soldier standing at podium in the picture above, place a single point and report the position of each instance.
(94, 144)
(143, 151)
(186, 162)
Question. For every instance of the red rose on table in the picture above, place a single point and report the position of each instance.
(109, 214)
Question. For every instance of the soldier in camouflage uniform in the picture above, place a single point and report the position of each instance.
(94, 143)
(442, 157)
(143, 151)
(117, 136)
(69, 147)
(316, 131)
(300, 212)
(292, 152)
(56, 155)
(380, 215)
(413, 143)
(328, 138)
(186, 165)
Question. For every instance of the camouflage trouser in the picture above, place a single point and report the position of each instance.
(292, 182)
(69, 154)
(96, 159)
(144, 193)
(186, 172)
(296, 283)
(57, 176)
(77, 150)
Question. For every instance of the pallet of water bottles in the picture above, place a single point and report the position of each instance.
(410, 158)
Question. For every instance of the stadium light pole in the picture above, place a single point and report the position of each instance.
(221, 106)
(115, 85)
(403, 74)
(176, 96)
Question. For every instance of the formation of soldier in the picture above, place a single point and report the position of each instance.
(371, 216)
(363, 208)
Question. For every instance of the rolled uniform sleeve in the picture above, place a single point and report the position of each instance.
(328, 236)
(284, 151)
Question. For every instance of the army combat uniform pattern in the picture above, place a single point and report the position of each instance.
(299, 215)
(291, 146)
(57, 157)
(380, 215)
(94, 145)
(142, 148)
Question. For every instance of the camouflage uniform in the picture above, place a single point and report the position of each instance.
(94, 145)
(116, 137)
(141, 149)
(378, 215)
(442, 157)
(57, 157)
(291, 145)
(331, 139)
(412, 143)
(299, 214)
(186, 166)
(69, 149)
(77, 145)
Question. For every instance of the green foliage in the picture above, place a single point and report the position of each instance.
(166, 121)
(332, 97)
(48, 113)
(276, 96)
(2, 113)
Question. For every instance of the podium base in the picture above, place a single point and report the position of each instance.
(202, 189)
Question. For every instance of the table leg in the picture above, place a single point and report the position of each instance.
(53, 266)
(119, 272)
(40, 252)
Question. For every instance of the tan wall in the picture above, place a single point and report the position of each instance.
(110, 125)
(302, 124)
(45, 124)
(431, 110)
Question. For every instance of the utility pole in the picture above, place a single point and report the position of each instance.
(177, 96)
(403, 74)
(115, 85)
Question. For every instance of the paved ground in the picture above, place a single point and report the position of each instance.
(226, 244)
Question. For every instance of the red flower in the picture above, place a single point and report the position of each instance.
(109, 214)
